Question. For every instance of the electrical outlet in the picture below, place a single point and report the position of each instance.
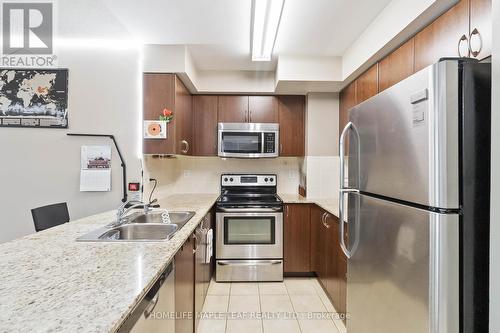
(187, 173)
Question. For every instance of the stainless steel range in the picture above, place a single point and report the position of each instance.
(249, 229)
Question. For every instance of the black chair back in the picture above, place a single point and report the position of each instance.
(50, 216)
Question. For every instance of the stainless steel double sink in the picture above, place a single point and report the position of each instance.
(141, 227)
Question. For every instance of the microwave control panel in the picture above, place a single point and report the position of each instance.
(269, 142)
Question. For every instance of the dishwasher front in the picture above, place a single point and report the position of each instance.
(156, 312)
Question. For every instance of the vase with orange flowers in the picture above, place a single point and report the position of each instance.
(167, 115)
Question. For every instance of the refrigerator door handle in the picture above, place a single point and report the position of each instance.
(349, 126)
(346, 190)
(342, 221)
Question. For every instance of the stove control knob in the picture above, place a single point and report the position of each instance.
(225, 179)
(231, 179)
(265, 179)
(271, 179)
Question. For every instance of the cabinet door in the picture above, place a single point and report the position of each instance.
(205, 125)
(183, 114)
(297, 233)
(397, 66)
(158, 93)
(480, 28)
(331, 255)
(317, 256)
(367, 84)
(184, 286)
(233, 109)
(199, 273)
(347, 101)
(292, 125)
(442, 37)
(263, 109)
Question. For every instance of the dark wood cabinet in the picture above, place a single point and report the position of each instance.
(367, 84)
(480, 28)
(183, 115)
(396, 66)
(263, 109)
(184, 286)
(327, 258)
(205, 125)
(442, 37)
(167, 91)
(291, 114)
(296, 243)
(202, 269)
(347, 100)
(233, 109)
(158, 93)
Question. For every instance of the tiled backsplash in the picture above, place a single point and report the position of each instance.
(322, 176)
(185, 174)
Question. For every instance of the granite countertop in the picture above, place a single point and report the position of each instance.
(331, 205)
(50, 282)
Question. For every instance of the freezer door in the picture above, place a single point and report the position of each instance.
(403, 275)
(408, 139)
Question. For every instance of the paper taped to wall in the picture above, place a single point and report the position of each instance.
(95, 173)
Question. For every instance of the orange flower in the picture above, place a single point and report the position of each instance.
(167, 112)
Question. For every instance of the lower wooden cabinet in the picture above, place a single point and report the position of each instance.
(192, 277)
(296, 242)
(184, 287)
(327, 259)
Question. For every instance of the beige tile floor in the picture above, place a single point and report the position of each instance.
(271, 307)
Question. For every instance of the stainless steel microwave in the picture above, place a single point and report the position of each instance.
(248, 140)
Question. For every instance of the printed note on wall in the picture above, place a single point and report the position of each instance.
(95, 173)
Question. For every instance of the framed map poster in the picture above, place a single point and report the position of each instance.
(34, 98)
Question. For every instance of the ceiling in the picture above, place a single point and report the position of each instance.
(218, 31)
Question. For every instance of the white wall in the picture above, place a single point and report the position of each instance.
(322, 137)
(495, 178)
(41, 166)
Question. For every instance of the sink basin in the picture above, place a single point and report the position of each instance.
(141, 227)
(179, 218)
(142, 232)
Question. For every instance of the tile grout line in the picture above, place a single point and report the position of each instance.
(227, 307)
(260, 308)
(293, 308)
(325, 305)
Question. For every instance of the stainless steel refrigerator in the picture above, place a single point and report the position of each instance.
(415, 203)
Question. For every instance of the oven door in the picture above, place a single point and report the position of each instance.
(249, 235)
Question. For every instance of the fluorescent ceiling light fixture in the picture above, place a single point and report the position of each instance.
(266, 20)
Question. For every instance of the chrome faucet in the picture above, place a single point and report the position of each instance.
(121, 211)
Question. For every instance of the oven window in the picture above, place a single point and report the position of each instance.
(241, 142)
(249, 230)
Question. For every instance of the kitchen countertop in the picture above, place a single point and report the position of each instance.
(331, 205)
(50, 282)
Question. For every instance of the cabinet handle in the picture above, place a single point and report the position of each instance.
(186, 145)
(463, 38)
(323, 219)
(281, 148)
(195, 243)
(286, 211)
(475, 35)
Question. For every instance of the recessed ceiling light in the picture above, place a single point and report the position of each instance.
(266, 20)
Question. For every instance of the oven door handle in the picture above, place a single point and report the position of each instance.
(249, 263)
(249, 210)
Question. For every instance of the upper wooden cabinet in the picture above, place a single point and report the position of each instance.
(205, 125)
(233, 109)
(443, 37)
(248, 109)
(296, 243)
(183, 114)
(263, 109)
(167, 91)
(291, 114)
(367, 84)
(347, 100)
(396, 66)
(480, 28)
